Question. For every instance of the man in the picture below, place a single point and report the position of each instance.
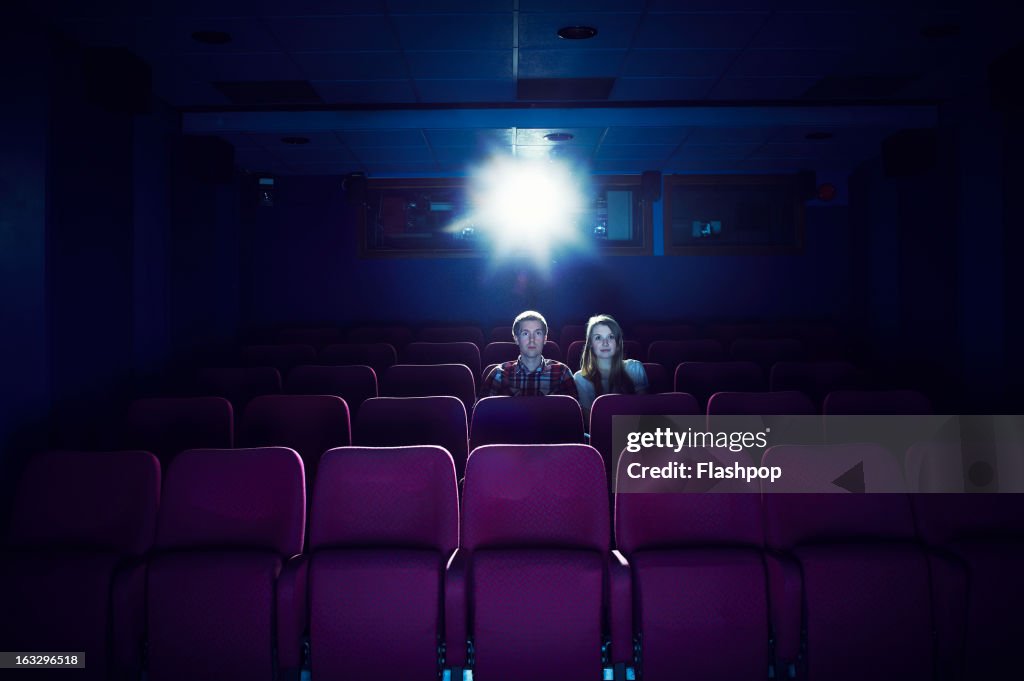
(531, 374)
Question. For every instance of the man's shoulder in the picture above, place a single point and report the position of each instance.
(555, 365)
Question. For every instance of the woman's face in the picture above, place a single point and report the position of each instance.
(602, 342)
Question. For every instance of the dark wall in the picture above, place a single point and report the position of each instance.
(302, 265)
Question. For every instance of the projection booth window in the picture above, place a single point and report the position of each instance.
(733, 214)
(435, 217)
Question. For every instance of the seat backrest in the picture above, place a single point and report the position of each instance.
(168, 425)
(378, 356)
(648, 333)
(545, 419)
(424, 380)
(570, 333)
(309, 424)
(281, 357)
(766, 351)
(396, 336)
(659, 380)
(238, 385)
(401, 421)
(354, 383)
(783, 402)
(500, 333)
(866, 402)
(815, 379)
(443, 353)
(703, 379)
(449, 334)
(670, 354)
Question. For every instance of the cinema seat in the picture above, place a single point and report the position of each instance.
(606, 407)
(646, 334)
(72, 577)
(500, 333)
(281, 357)
(570, 333)
(703, 379)
(765, 351)
(658, 378)
(424, 380)
(443, 353)
(546, 419)
(395, 336)
(450, 334)
(229, 521)
(867, 402)
(784, 402)
(378, 356)
(534, 585)
(238, 385)
(699, 572)
(168, 425)
(355, 383)
(982, 602)
(671, 354)
(402, 421)
(815, 379)
(839, 513)
(309, 424)
(384, 523)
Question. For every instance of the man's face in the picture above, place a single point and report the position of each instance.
(530, 338)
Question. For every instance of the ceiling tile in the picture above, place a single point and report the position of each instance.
(678, 63)
(445, 31)
(666, 89)
(365, 91)
(466, 90)
(393, 155)
(540, 31)
(478, 64)
(645, 151)
(581, 136)
(351, 65)
(710, 30)
(470, 137)
(326, 34)
(570, 63)
(752, 89)
(646, 135)
(242, 67)
(399, 137)
(785, 63)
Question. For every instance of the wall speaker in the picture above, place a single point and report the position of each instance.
(909, 152)
(650, 185)
(117, 80)
(208, 159)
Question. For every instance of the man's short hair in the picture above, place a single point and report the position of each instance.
(526, 316)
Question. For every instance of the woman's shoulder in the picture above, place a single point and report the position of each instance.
(635, 369)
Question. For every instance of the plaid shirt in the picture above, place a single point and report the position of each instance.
(512, 378)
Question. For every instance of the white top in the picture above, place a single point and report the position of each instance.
(587, 394)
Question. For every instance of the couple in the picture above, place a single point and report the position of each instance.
(603, 369)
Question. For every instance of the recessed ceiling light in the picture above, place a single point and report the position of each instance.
(212, 37)
(577, 32)
(295, 140)
(939, 31)
(818, 136)
(558, 137)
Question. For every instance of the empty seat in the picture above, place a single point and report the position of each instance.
(353, 383)
(309, 424)
(541, 589)
(396, 336)
(281, 357)
(229, 520)
(746, 403)
(547, 419)
(238, 385)
(703, 379)
(384, 523)
(378, 356)
(659, 380)
(443, 353)
(606, 407)
(866, 402)
(570, 333)
(401, 421)
(424, 380)
(671, 354)
(766, 351)
(168, 425)
(499, 352)
(699, 573)
(815, 379)
(648, 333)
(500, 333)
(71, 575)
(865, 577)
(450, 334)
(574, 354)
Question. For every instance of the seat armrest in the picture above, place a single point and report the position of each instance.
(128, 618)
(292, 615)
(949, 612)
(785, 608)
(620, 616)
(455, 613)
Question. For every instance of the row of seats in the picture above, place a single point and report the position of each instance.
(399, 582)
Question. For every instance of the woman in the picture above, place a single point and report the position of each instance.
(602, 368)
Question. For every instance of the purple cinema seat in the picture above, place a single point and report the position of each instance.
(868, 402)
(671, 354)
(281, 357)
(766, 351)
(396, 336)
(982, 610)
(658, 379)
(355, 384)
(443, 353)
(500, 333)
(699, 573)
(570, 333)
(378, 356)
(574, 354)
(838, 512)
(229, 521)
(309, 424)
(606, 407)
(402, 421)
(239, 385)
(703, 379)
(499, 352)
(72, 571)
(424, 380)
(168, 425)
(384, 523)
(451, 334)
(548, 419)
(815, 379)
(783, 402)
(534, 585)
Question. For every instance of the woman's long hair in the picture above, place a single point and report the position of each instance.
(618, 380)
